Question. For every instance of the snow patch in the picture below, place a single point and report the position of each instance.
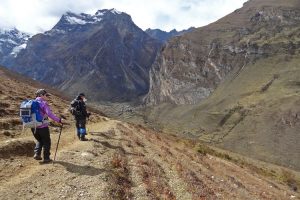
(97, 19)
(99, 13)
(17, 49)
(75, 20)
(102, 12)
(115, 11)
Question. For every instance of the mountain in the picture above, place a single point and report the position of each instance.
(122, 160)
(105, 55)
(11, 42)
(164, 36)
(191, 66)
(237, 83)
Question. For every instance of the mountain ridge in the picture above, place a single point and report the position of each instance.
(107, 50)
(208, 54)
(164, 36)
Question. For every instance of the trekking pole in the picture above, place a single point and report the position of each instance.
(57, 143)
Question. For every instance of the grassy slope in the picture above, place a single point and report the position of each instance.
(245, 115)
(256, 111)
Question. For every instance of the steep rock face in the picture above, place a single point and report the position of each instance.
(106, 55)
(190, 67)
(164, 36)
(12, 41)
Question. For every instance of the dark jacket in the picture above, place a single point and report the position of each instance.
(78, 109)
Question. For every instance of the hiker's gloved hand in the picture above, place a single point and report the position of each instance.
(62, 121)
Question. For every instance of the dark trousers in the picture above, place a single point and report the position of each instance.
(42, 135)
(80, 124)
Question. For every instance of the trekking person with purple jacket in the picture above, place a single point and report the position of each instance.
(42, 133)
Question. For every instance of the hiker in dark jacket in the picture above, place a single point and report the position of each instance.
(78, 109)
(42, 133)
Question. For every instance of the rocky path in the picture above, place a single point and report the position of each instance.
(124, 161)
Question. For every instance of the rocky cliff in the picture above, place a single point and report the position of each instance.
(190, 67)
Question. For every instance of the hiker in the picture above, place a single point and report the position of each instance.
(42, 133)
(78, 109)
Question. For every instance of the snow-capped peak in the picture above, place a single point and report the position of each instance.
(71, 21)
(75, 20)
(100, 12)
(13, 34)
(82, 18)
(12, 41)
(104, 11)
(7, 30)
(115, 11)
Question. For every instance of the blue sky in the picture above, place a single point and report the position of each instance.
(33, 16)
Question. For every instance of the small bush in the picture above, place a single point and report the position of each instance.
(288, 178)
(116, 161)
(204, 150)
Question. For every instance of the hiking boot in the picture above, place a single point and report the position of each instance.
(47, 160)
(83, 139)
(37, 157)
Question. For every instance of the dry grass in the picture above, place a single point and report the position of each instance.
(121, 188)
(285, 176)
(196, 187)
(4, 105)
(117, 161)
(155, 181)
(138, 142)
(289, 178)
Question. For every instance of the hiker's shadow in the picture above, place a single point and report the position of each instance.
(108, 145)
(81, 170)
(107, 136)
(121, 149)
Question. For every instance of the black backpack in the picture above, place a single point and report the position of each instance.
(75, 108)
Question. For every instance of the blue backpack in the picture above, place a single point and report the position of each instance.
(30, 114)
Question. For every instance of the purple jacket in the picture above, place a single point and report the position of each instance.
(45, 111)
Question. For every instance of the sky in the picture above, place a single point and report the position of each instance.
(34, 16)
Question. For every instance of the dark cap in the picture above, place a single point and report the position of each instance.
(42, 92)
(81, 94)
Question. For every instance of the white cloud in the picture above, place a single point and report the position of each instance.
(40, 15)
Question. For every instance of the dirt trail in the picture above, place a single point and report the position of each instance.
(123, 161)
